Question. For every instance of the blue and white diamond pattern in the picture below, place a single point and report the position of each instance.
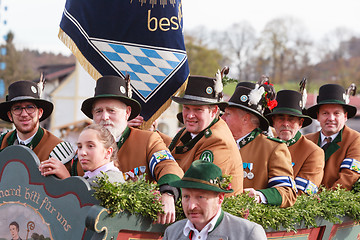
(149, 67)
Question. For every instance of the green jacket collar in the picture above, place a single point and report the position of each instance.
(253, 134)
(34, 142)
(218, 220)
(124, 137)
(188, 142)
(294, 139)
(333, 147)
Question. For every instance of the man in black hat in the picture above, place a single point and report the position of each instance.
(268, 174)
(205, 135)
(203, 188)
(25, 109)
(270, 131)
(340, 143)
(140, 151)
(307, 158)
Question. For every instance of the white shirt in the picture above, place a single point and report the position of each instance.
(202, 235)
(323, 141)
(27, 141)
(193, 135)
(103, 168)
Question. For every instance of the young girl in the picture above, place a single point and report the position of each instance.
(96, 152)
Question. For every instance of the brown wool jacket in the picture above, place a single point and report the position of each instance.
(270, 159)
(221, 143)
(139, 148)
(308, 160)
(345, 145)
(43, 149)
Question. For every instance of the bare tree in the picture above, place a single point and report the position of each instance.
(237, 43)
(329, 48)
(285, 42)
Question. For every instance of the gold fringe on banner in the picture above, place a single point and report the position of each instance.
(79, 56)
(148, 123)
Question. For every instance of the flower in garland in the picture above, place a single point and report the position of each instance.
(225, 182)
(245, 213)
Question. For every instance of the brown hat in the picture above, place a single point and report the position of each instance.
(113, 87)
(25, 91)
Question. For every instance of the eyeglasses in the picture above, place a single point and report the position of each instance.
(17, 110)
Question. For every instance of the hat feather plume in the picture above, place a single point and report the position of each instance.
(350, 91)
(128, 86)
(269, 88)
(218, 85)
(303, 92)
(41, 84)
(257, 93)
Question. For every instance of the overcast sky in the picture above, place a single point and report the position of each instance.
(36, 22)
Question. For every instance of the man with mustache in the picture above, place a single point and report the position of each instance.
(340, 143)
(307, 158)
(140, 151)
(203, 188)
(268, 174)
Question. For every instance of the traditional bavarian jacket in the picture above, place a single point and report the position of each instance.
(142, 151)
(215, 144)
(308, 163)
(167, 140)
(342, 158)
(44, 144)
(227, 227)
(268, 169)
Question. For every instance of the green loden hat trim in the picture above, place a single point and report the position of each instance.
(297, 113)
(202, 175)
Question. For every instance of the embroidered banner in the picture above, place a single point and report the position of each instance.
(141, 38)
(36, 207)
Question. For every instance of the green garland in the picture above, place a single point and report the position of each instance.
(139, 197)
(142, 197)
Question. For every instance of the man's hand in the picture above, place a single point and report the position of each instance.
(53, 166)
(253, 193)
(169, 208)
(136, 123)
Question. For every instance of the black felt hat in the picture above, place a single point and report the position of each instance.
(25, 91)
(250, 85)
(200, 91)
(243, 99)
(332, 94)
(290, 103)
(113, 87)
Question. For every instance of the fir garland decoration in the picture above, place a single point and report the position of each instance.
(143, 197)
